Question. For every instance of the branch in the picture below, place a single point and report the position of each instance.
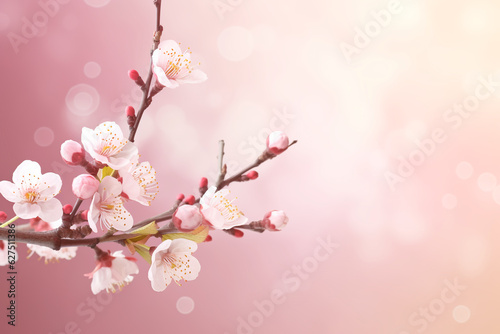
(146, 97)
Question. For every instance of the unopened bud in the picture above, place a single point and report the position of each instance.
(187, 218)
(252, 175)
(208, 238)
(130, 111)
(180, 197)
(84, 215)
(275, 220)
(190, 200)
(85, 186)
(72, 153)
(277, 142)
(203, 182)
(133, 74)
(3, 216)
(67, 209)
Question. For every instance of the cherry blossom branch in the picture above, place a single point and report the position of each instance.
(266, 155)
(146, 96)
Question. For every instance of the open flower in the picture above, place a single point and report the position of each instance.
(4, 254)
(173, 260)
(172, 67)
(112, 271)
(33, 193)
(107, 207)
(107, 145)
(50, 255)
(219, 211)
(139, 182)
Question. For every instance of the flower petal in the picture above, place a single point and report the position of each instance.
(158, 280)
(26, 167)
(27, 210)
(162, 78)
(93, 216)
(10, 191)
(196, 76)
(101, 280)
(50, 210)
(50, 186)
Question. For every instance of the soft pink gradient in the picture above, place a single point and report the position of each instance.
(352, 120)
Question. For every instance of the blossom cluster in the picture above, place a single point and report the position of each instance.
(114, 175)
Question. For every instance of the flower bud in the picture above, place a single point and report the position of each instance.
(133, 74)
(84, 215)
(190, 200)
(203, 182)
(72, 153)
(130, 111)
(85, 186)
(67, 209)
(252, 175)
(180, 197)
(277, 142)
(275, 220)
(187, 218)
(3, 216)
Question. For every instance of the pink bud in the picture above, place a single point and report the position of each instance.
(3, 216)
(187, 218)
(277, 142)
(190, 200)
(275, 220)
(84, 215)
(85, 186)
(180, 197)
(252, 175)
(203, 182)
(238, 233)
(72, 153)
(67, 209)
(130, 111)
(208, 238)
(133, 74)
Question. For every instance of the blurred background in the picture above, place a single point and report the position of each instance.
(392, 191)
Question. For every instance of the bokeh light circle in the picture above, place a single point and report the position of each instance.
(461, 314)
(82, 100)
(487, 181)
(449, 201)
(235, 43)
(44, 136)
(464, 170)
(185, 305)
(92, 70)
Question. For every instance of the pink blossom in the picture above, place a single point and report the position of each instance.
(112, 271)
(107, 145)
(219, 211)
(33, 193)
(107, 207)
(173, 260)
(172, 67)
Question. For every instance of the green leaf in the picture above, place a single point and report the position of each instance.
(146, 230)
(106, 171)
(198, 235)
(143, 251)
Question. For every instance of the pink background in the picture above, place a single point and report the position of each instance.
(397, 247)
